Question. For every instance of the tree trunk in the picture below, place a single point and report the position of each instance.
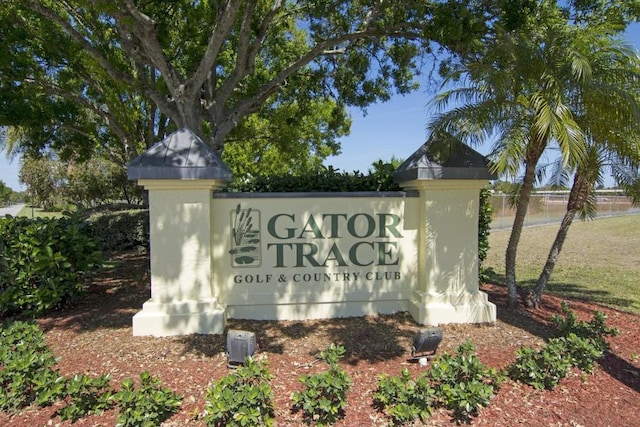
(535, 296)
(516, 232)
(583, 184)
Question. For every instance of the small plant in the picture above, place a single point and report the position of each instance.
(462, 383)
(26, 368)
(582, 351)
(595, 330)
(580, 344)
(541, 369)
(242, 398)
(148, 406)
(459, 382)
(87, 395)
(403, 399)
(323, 397)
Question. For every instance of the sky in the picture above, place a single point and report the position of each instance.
(392, 129)
(398, 127)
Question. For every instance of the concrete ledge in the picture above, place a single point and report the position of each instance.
(430, 309)
(305, 298)
(305, 311)
(179, 318)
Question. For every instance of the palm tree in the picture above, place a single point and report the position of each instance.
(519, 94)
(608, 107)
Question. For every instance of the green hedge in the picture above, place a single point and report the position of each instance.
(120, 230)
(484, 226)
(326, 180)
(43, 263)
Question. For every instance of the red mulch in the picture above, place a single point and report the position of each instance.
(95, 337)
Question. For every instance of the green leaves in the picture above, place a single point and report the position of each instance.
(242, 398)
(27, 376)
(323, 180)
(542, 369)
(323, 398)
(459, 383)
(403, 399)
(580, 345)
(87, 395)
(119, 229)
(595, 330)
(26, 368)
(462, 383)
(274, 78)
(44, 263)
(148, 406)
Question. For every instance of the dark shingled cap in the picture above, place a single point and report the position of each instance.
(444, 159)
(181, 155)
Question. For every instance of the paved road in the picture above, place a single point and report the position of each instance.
(11, 210)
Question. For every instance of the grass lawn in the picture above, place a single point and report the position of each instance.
(38, 213)
(599, 262)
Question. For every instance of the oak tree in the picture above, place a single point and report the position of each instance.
(119, 74)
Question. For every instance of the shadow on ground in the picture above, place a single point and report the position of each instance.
(368, 338)
(566, 290)
(115, 294)
(538, 322)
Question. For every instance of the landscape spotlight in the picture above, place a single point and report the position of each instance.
(426, 341)
(240, 345)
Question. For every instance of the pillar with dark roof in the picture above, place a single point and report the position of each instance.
(448, 177)
(180, 172)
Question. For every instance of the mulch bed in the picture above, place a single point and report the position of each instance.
(95, 337)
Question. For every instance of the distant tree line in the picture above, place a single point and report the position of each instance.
(10, 197)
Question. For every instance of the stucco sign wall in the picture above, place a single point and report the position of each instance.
(217, 255)
(299, 256)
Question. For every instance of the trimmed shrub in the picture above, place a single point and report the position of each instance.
(541, 369)
(120, 230)
(458, 382)
(86, 395)
(43, 263)
(462, 383)
(403, 399)
(27, 376)
(595, 330)
(325, 181)
(485, 217)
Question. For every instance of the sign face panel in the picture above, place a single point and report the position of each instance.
(300, 250)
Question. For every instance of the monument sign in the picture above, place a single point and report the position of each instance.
(296, 256)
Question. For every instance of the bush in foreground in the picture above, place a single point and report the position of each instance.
(323, 397)
(242, 398)
(458, 382)
(43, 263)
(579, 345)
(27, 372)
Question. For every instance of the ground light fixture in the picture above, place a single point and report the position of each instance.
(240, 345)
(425, 342)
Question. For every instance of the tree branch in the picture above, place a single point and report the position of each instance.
(109, 120)
(254, 103)
(79, 38)
(228, 12)
(144, 29)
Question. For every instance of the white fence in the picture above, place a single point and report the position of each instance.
(550, 207)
